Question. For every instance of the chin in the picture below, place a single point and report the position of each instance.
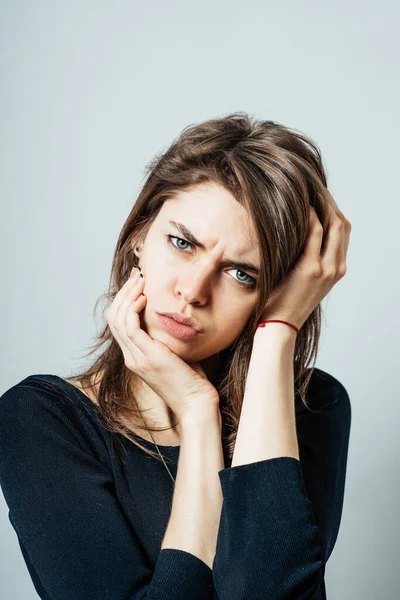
(177, 346)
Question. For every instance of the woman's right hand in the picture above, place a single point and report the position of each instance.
(185, 388)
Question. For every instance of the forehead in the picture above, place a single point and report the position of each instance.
(213, 215)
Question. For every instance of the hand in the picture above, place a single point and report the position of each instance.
(182, 386)
(316, 272)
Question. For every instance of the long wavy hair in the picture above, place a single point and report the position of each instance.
(276, 173)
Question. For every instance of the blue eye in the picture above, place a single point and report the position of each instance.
(180, 240)
(251, 281)
(171, 237)
(245, 274)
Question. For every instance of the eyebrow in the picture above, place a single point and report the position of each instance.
(245, 266)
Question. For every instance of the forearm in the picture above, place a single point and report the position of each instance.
(197, 501)
(267, 426)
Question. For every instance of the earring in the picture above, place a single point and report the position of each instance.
(137, 250)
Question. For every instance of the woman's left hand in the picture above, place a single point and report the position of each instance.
(315, 272)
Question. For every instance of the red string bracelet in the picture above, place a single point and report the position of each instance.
(262, 324)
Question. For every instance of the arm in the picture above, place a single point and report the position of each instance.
(62, 502)
(267, 427)
(197, 501)
(280, 516)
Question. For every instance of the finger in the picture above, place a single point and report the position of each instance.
(120, 296)
(347, 238)
(128, 317)
(117, 337)
(132, 320)
(132, 293)
(333, 247)
(132, 324)
(312, 248)
(116, 319)
(333, 203)
(345, 233)
(134, 337)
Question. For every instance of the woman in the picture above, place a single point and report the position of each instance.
(234, 231)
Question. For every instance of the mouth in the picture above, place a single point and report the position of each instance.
(178, 329)
(184, 320)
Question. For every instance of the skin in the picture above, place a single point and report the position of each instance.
(267, 425)
(220, 303)
(176, 278)
(178, 273)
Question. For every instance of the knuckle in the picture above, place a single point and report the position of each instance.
(142, 365)
(118, 325)
(342, 270)
(314, 271)
(129, 364)
(330, 273)
(338, 225)
(160, 351)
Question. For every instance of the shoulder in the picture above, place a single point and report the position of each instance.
(326, 390)
(323, 429)
(44, 403)
(40, 390)
(328, 400)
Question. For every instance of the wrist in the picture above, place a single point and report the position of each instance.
(201, 416)
(279, 332)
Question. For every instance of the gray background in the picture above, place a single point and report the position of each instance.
(90, 90)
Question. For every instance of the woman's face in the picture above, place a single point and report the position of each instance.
(198, 282)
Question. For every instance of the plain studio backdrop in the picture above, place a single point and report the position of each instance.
(91, 90)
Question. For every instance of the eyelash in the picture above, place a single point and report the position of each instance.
(250, 285)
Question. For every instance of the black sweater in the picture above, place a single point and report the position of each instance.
(90, 508)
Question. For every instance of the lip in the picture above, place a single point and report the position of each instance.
(180, 330)
(182, 319)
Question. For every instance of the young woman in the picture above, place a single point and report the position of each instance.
(198, 456)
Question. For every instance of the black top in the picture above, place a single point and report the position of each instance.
(90, 508)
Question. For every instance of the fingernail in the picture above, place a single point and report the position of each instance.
(140, 274)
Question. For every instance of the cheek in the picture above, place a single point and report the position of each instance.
(157, 283)
(235, 307)
(220, 338)
(231, 317)
(156, 270)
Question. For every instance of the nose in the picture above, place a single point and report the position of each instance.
(195, 287)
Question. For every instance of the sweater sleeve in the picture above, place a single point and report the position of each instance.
(62, 504)
(280, 517)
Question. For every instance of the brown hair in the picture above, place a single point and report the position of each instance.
(274, 172)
